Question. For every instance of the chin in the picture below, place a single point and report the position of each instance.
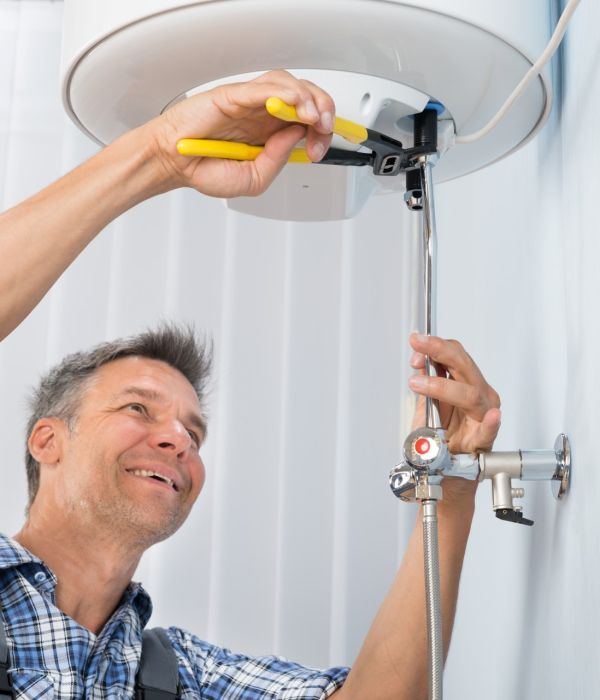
(155, 530)
(144, 526)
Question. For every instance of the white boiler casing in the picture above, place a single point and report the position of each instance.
(126, 62)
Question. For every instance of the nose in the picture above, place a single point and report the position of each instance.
(173, 437)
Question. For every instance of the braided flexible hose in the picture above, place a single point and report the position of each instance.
(432, 595)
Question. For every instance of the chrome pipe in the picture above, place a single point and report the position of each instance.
(432, 420)
(538, 465)
(432, 416)
(432, 592)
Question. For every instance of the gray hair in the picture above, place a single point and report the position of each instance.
(60, 391)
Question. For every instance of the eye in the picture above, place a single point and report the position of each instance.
(137, 408)
(195, 438)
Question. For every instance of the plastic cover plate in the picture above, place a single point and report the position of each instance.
(129, 76)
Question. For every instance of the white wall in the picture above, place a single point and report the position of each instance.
(297, 537)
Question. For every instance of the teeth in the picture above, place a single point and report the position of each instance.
(147, 472)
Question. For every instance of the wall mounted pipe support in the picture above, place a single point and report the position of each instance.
(529, 465)
(561, 479)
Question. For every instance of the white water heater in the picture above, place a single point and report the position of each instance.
(381, 60)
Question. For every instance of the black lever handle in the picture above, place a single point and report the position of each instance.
(513, 516)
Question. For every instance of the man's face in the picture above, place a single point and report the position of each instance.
(131, 463)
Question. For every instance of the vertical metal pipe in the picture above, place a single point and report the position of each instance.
(432, 417)
(432, 420)
(432, 592)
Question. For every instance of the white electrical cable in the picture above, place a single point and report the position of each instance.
(533, 72)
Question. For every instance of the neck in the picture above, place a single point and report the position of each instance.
(92, 569)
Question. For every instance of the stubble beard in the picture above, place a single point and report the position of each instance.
(137, 524)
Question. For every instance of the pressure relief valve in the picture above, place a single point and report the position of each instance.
(427, 460)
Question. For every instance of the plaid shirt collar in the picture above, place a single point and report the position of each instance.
(14, 555)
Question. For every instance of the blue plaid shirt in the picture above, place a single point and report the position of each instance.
(51, 655)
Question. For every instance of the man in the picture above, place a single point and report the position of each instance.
(114, 436)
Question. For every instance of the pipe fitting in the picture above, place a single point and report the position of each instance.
(502, 492)
(492, 463)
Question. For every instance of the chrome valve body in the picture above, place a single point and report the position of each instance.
(427, 460)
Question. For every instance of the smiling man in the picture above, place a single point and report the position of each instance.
(113, 447)
(113, 460)
(131, 427)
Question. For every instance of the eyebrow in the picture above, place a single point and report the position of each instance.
(151, 395)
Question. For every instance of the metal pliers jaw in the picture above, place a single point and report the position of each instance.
(388, 156)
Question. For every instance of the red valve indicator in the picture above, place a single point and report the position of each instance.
(422, 446)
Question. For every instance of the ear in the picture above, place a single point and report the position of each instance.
(46, 440)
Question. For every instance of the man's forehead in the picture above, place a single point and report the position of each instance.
(155, 379)
(142, 378)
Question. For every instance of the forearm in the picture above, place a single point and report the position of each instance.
(40, 237)
(392, 663)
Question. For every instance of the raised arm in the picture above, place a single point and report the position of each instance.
(40, 237)
(392, 664)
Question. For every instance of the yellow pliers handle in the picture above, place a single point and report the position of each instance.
(231, 150)
(355, 133)
(207, 148)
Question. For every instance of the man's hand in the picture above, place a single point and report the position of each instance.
(392, 664)
(469, 406)
(236, 112)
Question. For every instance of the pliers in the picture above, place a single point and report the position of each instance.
(387, 157)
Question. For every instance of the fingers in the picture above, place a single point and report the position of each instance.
(318, 138)
(314, 107)
(469, 406)
(417, 361)
(236, 112)
(449, 353)
(317, 145)
(229, 178)
(471, 399)
(275, 155)
(479, 437)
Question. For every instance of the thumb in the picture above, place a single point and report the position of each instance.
(488, 429)
(277, 150)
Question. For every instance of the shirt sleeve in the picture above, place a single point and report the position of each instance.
(211, 672)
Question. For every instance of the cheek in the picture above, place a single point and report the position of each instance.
(126, 433)
(198, 475)
(110, 445)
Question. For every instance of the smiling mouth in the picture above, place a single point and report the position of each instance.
(157, 476)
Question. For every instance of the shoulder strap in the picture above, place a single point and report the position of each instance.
(6, 689)
(158, 675)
